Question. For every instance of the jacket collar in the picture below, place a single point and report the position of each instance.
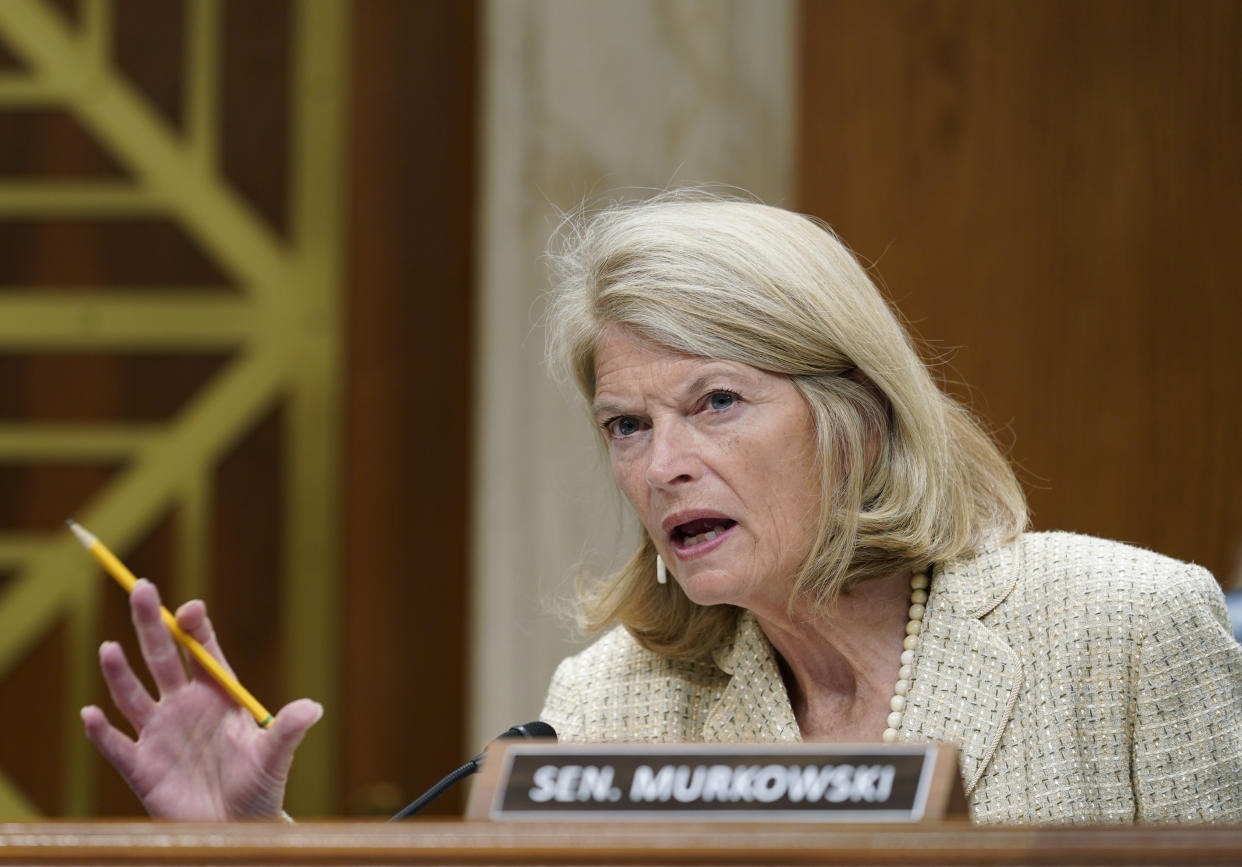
(973, 586)
(966, 678)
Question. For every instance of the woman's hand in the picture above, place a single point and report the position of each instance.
(198, 755)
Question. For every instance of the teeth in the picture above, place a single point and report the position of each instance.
(691, 541)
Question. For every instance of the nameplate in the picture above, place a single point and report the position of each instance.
(730, 782)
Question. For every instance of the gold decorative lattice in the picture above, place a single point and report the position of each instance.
(280, 332)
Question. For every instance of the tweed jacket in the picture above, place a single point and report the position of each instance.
(1082, 680)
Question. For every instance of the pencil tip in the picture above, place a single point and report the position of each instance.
(82, 534)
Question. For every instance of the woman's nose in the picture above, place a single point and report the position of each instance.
(674, 458)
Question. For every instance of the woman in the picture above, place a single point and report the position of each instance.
(802, 479)
(832, 550)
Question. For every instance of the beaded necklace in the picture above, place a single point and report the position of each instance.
(914, 627)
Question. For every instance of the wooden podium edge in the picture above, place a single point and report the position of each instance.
(436, 842)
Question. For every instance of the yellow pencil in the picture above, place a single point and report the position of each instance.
(126, 579)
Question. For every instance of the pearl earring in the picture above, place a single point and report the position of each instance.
(661, 570)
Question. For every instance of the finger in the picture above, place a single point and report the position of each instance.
(128, 692)
(158, 647)
(285, 734)
(113, 745)
(193, 620)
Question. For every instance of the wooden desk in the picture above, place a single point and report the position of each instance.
(481, 843)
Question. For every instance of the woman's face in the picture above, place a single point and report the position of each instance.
(719, 460)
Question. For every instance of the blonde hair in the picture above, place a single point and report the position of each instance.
(909, 477)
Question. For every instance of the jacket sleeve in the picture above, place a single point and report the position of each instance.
(1187, 760)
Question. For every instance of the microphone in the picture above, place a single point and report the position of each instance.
(536, 729)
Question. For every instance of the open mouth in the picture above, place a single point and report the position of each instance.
(700, 530)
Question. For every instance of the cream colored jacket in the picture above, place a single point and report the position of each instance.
(1082, 680)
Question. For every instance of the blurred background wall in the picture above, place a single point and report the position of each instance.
(270, 295)
(586, 101)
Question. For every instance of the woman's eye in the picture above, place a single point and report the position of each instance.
(719, 400)
(622, 426)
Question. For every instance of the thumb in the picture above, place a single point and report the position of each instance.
(285, 733)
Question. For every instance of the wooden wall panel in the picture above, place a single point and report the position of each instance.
(79, 253)
(221, 83)
(408, 402)
(1052, 193)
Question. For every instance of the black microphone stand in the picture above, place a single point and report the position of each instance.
(439, 789)
(535, 729)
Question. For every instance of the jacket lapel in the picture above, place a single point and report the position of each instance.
(754, 705)
(966, 677)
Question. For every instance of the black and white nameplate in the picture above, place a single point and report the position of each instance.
(696, 782)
